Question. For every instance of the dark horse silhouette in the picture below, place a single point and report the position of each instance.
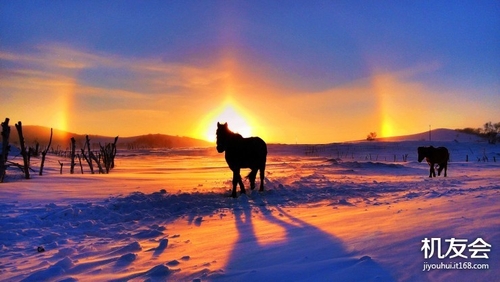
(434, 156)
(242, 153)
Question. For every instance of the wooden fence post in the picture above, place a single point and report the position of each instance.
(72, 156)
(44, 153)
(61, 164)
(5, 148)
(89, 159)
(114, 153)
(80, 161)
(92, 156)
(19, 127)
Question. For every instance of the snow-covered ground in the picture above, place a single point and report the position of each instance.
(339, 212)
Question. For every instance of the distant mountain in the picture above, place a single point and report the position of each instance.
(61, 139)
(441, 134)
(162, 141)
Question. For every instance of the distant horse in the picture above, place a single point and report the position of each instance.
(434, 156)
(242, 153)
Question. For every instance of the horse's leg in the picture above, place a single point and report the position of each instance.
(440, 169)
(445, 168)
(240, 181)
(251, 176)
(242, 187)
(431, 170)
(236, 180)
(262, 170)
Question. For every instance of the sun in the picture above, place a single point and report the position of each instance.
(229, 113)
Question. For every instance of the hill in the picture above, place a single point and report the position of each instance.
(441, 134)
(61, 139)
(163, 141)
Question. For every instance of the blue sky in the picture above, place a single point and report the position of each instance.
(306, 71)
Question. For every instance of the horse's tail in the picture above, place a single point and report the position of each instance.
(447, 155)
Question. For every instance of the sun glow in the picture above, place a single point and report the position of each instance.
(387, 130)
(238, 122)
(385, 88)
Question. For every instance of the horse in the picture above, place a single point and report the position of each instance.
(242, 153)
(434, 156)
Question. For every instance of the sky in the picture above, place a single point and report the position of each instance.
(287, 71)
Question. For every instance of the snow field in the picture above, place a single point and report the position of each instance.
(324, 216)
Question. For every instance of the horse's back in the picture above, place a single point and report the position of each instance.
(442, 154)
(256, 147)
(435, 155)
(247, 153)
(257, 144)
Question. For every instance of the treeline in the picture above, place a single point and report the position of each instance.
(151, 141)
(489, 131)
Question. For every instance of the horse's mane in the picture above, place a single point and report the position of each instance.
(234, 134)
(229, 133)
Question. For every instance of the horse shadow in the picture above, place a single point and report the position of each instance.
(306, 253)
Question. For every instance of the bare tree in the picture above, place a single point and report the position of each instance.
(491, 130)
(88, 158)
(108, 153)
(371, 136)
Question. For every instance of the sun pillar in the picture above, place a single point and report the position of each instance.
(382, 89)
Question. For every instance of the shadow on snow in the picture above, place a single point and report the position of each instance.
(307, 253)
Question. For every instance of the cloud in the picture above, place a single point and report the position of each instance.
(64, 60)
(145, 76)
(58, 85)
(92, 83)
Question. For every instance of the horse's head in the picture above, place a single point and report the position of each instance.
(422, 153)
(222, 135)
